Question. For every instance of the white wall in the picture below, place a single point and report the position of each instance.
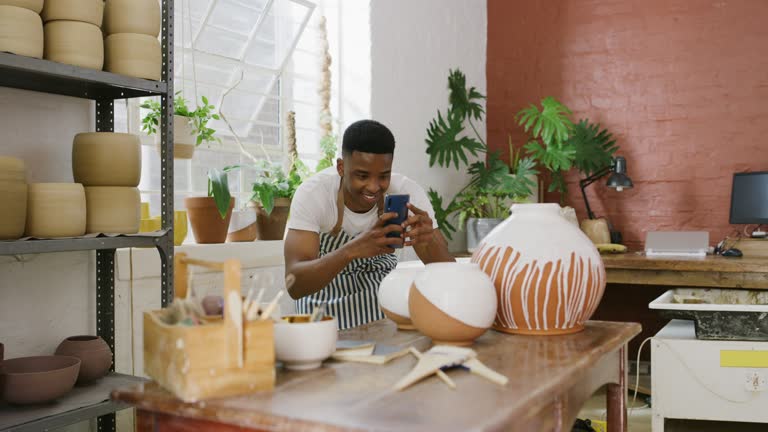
(413, 45)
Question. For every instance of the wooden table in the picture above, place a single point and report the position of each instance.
(549, 380)
(711, 271)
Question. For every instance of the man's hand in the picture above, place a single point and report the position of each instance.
(375, 242)
(418, 227)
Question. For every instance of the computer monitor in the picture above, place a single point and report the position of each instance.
(749, 198)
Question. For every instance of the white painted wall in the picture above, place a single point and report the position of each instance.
(413, 45)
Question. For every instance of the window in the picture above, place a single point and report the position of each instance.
(275, 46)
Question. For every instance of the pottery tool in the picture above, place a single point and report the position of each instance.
(472, 364)
(317, 313)
(446, 379)
(247, 302)
(429, 363)
(289, 280)
(271, 307)
(234, 303)
(253, 308)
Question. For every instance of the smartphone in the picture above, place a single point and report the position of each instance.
(396, 203)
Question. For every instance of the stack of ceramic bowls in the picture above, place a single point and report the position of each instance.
(13, 195)
(109, 166)
(131, 46)
(73, 32)
(21, 29)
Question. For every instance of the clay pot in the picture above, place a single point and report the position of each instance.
(133, 55)
(115, 210)
(452, 303)
(13, 218)
(272, 226)
(242, 227)
(55, 210)
(34, 5)
(12, 170)
(89, 11)
(31, 380)
(393, 295)
(184, 139)
(548, 275)
(106, 159)
(303, 345)
(21, 31)
(94, 353)
(75, 43)
(132, 16)
(207, 224)
(597, 230)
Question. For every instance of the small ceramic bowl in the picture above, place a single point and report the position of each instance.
(31, 380)
(303, 345)
(93, 352)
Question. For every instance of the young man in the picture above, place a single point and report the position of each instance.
(336, 244)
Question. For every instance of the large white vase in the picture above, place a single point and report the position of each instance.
(548, 275)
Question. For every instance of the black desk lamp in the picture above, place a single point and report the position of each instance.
(618, 180)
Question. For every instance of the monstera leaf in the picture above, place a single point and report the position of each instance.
(463, 100)
(551, 124)
(444, 145)
(441, 214)
(594, 147)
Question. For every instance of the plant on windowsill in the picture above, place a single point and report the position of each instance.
(482, 203)
(210, 215)
(190, 127)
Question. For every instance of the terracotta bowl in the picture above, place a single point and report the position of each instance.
(106, 159)
(21, 31)
(452, 303)
(393, 295)
(31, 380)
(303, 345)
(93, 352)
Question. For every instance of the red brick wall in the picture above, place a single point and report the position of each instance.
(682, 84)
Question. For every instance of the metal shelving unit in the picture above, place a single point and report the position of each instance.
(103, 87)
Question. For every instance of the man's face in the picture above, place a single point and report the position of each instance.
(366, 178)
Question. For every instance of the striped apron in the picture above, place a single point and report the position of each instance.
(352, 296)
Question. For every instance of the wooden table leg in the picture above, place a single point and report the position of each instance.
(617, 397)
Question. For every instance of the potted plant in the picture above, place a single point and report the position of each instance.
(483, 202)
(210, 215)
(190, 127)
(273, 190)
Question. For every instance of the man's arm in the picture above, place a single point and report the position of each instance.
(314, 273)
(429, 244)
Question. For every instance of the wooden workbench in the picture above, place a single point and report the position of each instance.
(550, 377)
(711, 271)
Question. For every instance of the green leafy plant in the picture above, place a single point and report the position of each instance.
(560, 145)
(329, 148)
(492, 182)
(272, 183)
(218, 188)
(200, 117)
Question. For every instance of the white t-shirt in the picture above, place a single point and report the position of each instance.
(313, 207)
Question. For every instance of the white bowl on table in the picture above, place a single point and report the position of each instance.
(304, 345)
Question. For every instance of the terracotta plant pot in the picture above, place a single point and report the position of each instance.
(89, 11)
(272, 226)
(452, 303)
(21, 32)
(31, 380)
(93, 352)
(75, 43)
(393, 295)
(55, 210)
(183, 138)
(106, 159)
(132, 16)
(548, 275)
(114, 210)
(34, 5)
(207, 224)
(242, 227)
(135, 55)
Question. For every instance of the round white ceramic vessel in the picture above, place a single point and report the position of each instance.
(304, 346)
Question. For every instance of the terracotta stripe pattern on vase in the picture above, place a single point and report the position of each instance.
(548, 275)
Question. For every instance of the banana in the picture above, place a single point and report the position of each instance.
(611, 248)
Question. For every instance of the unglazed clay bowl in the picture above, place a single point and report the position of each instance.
(114, 210)
(21, 31)
(93, 352)
(393, 295)
(55, 210)
(34, 5)
(132, 16)
(75, 43)
(452, 303)
(135, 55)
(303, 345)
(89, 11)
(106, 159)
(12, 170)
(31, 380)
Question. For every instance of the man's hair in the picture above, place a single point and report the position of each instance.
(368, 136)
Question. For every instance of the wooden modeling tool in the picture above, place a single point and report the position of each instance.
(271, 307)
(446, 379)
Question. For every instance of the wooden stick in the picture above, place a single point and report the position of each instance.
(446, 379)
(478, 368)
(271, 307)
